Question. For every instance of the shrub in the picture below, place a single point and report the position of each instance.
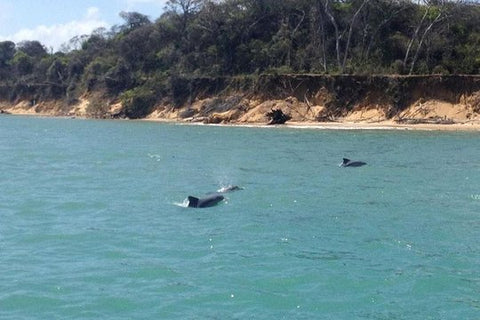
(138, 102)
(398, 67)
(440, 70)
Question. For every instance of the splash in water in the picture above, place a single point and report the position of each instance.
(183, 204)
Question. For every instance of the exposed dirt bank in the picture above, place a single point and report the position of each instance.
(436, 102)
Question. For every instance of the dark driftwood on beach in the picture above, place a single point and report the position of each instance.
(277, 116)
(432, 120)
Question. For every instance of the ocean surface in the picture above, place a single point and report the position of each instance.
(93, 223)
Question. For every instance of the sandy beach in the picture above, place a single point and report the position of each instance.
(424, 115)
(388, 125)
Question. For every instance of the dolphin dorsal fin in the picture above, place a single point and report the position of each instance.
(345, 160)
(192, 202)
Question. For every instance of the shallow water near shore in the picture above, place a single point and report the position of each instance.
(90, 226)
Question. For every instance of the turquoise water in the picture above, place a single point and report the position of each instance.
(91, 226)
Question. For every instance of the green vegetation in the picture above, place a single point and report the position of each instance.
(142, 62)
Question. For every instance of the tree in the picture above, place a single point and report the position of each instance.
(118, 78)
(23, 63)
(343, 11)
(330, 15)
(32, 48)
(317, 45)
(433, 12)
(74, 43)
(184, 9)
(384, 12)
(350, 30)
(137, 48)
(95, 45)
(57, 72)
(134, 20)
(7, 51)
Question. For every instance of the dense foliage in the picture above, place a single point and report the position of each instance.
(142, 60)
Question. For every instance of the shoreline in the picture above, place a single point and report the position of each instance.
(337, 125)
(472, 126)
(389, 125)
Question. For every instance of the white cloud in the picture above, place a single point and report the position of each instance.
(54, 36)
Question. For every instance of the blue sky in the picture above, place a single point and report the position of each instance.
(54, 22)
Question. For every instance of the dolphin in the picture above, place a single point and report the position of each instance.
(229, 188)
(208, 201)
(349, 163)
